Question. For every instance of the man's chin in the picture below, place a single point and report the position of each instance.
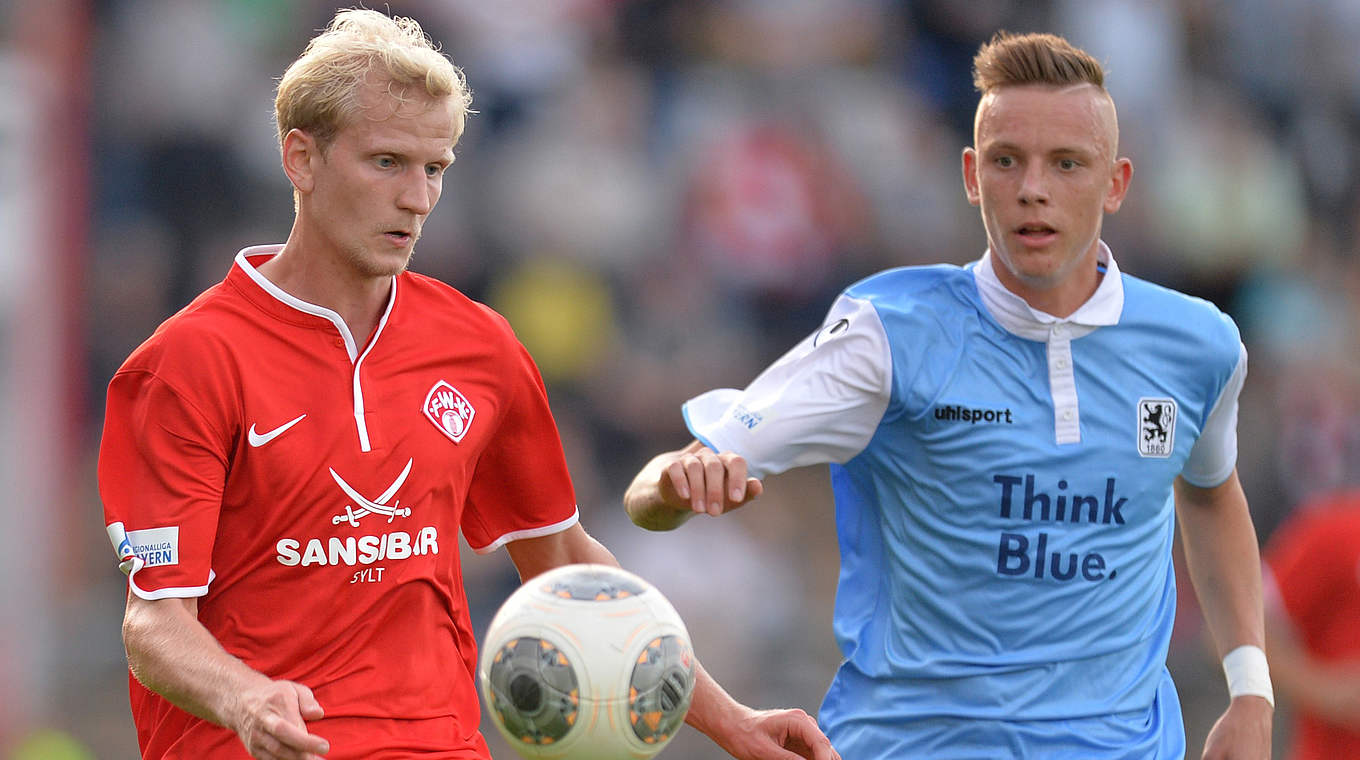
(393, 263)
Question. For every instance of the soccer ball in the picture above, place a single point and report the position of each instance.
(587, 662)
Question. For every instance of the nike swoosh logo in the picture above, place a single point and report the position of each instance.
(260, 439)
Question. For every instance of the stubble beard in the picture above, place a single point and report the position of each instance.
(369, 264)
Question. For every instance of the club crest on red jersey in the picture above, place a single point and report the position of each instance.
(449, 410)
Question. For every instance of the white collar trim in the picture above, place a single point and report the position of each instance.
(283, 296)
(1017, 316)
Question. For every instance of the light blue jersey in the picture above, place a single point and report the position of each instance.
(1003, 484)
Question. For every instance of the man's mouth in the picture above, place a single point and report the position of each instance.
(400, 237)
(1036, 232)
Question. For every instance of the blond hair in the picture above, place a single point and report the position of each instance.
(319, 92)
(1047, 59)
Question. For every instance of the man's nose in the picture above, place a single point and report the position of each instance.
(417, 195)
(1034, 186)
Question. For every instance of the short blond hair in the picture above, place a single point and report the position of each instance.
(1045, 59)
(319, 92)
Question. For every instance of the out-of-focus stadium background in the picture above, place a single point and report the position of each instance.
(661, 195)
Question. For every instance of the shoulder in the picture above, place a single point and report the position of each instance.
(1186, 320)
(1326, 515)
(1150, 302)
(923, 291)
(446, 313)
(1324, 526)
(200, 332)
(913, 281)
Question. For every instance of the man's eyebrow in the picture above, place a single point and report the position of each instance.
(1061, 150)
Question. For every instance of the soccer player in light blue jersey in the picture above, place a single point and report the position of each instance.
(1012, 444)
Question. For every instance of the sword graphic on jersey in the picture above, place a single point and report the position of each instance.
(377, 506)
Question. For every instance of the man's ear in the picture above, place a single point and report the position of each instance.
(300, 152)
(970, 177)
(1120, 176)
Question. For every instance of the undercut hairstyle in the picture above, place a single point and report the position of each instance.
(319, 92)
(1019, 59)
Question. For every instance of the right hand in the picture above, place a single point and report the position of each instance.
(271, 721)
(707, 482)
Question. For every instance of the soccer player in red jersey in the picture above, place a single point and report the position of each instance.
(1313, 624)
(286, 463)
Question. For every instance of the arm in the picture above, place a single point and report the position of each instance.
(744, 733)
(820, 402)
(678, 485)
(1225, 568)
(1327, 690)
(172, 654)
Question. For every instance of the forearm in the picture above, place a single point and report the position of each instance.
(1327, 689)
(1223, 557)
(534, 556)
(1291, 670)
(713, 711)
(172, 654)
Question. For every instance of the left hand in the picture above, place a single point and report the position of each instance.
(1241, 733)
(777, 735)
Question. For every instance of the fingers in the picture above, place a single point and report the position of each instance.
(307, 704)
(297, 741)
(806, 740)
(281, 739)
(709, 482)
(274, 723)
(267, 747)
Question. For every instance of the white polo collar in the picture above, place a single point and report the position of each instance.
(1013, 313)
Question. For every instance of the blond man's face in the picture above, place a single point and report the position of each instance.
(1043, 172)
(381, 176)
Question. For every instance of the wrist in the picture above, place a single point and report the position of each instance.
(713, 712)
(1248, 673)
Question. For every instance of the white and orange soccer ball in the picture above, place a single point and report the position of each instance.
(587, 662)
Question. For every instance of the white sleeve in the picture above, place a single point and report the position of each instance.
(820, 402)
(1215, 453)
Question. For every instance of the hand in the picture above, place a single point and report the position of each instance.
(1241, 733)
(271, 721)
(707, 482)
(777, 735)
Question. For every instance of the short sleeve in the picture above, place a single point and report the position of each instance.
(1214, 454)
(521, 487)
(162, 470)
(821, 402)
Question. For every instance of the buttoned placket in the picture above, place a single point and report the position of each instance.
(1020, 319)
(1062, 385)
(344, 337)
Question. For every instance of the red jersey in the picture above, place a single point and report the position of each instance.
(1315, 560)
(309, 491)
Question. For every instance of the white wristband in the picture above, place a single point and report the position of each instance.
(1248, 673)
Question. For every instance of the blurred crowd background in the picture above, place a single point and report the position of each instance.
(661, 196)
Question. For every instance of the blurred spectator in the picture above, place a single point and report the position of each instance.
(1313, 625)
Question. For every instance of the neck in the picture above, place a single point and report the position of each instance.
(1060, 298)
(301, 270)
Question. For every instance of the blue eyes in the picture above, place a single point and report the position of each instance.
(387, 162)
